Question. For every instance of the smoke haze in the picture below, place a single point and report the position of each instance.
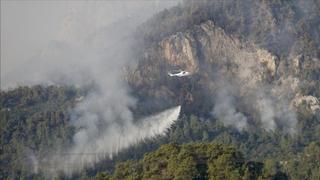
(92, 46)
(91, 49)
(98, 140)
(225, 110)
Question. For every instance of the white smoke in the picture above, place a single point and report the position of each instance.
(267, 115)
(275, 112)
(245, 81)
(225, 111)
(272, 109)
(97, 140)
(92, 49)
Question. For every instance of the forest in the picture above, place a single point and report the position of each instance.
(36, 120)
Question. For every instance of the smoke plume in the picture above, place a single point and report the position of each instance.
(98, 140)
(92, 49)
(225, 110)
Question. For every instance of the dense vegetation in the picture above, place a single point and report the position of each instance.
(33, 120)
(189, 161)
(214, 161)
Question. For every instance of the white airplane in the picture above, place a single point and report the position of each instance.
(179, 73)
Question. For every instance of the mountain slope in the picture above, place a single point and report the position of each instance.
(255, 85)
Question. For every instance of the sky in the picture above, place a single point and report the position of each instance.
(27, 27)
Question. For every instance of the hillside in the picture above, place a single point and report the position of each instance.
(251, 103)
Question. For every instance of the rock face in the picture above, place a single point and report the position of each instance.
(206, 44)
(207, 51)
(268, 60)
(178, 51)
(208, 48)
(312, 102)
(297, 63)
